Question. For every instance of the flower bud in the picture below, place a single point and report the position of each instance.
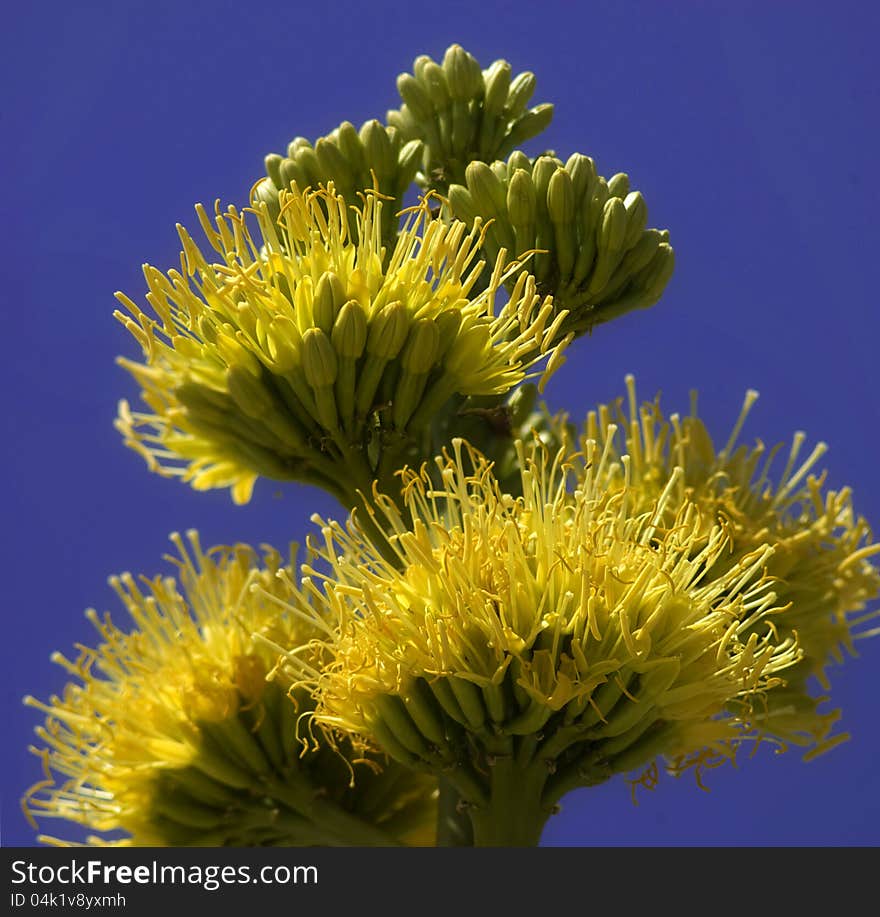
(318, 359)
(463, 74)
(334, 165)
(415, 97)
(273, 168)
(409, 157)
(422, 346)
(462, 204)
(612, 230)
(351, 146)
(560, 198)
(521, 204)
(518, 160)
(328, 298)
(486, 190)
(636, 217)
(431, 77)
(529, 125)
(377, 145)
(387, 331)
(292, 172)
(350, 331)
(582, 170)
(521, 90)
(497, 82)
(618, 185)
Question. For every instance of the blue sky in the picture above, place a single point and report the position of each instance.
(752, 130)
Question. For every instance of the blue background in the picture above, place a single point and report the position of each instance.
(752, 130)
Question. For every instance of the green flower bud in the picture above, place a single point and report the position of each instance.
(318, 359)
(633, 261)
(349, 335)
(334, 165)
(377, 145)
(463, 74)
(351, 146)
(499, 170)
(448, 323)
(462, 204)
(430, 75)
(560, 198)
(266, 194)
(486, 190)
(327, 300)
(542, 172)
(521, 90)
(612, 230)
(521, 204)
(291, 172)
(582, 170)
(518, 160)
(609, 244)
(497, 82)
(401, 119)
(618, 185)
(419, 65)
(307, 160)
(529, 125)
(297, 144)
(387, 331)
(636, 217)
(349, 339)
(561, 208)
(422, 347)
(653, 278)
(417, 359)
(273, 168)
(415, 96)
(408, 159)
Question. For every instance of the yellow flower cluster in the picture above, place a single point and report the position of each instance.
(648, 598)
(302, 353)
(173, 734)
(568, 632)
(821, 559)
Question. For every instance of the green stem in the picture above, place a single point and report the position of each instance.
(514, 814)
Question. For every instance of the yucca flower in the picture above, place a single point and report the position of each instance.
(300, 353)
(522, 646)
(821, 561)
(171, 734)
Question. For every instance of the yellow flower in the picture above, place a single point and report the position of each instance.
(304, 353)
(521, 646)
(821, 560)
(173, 734)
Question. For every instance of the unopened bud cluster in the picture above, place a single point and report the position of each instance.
(594, 252)
(374, 158)
(464, 113)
